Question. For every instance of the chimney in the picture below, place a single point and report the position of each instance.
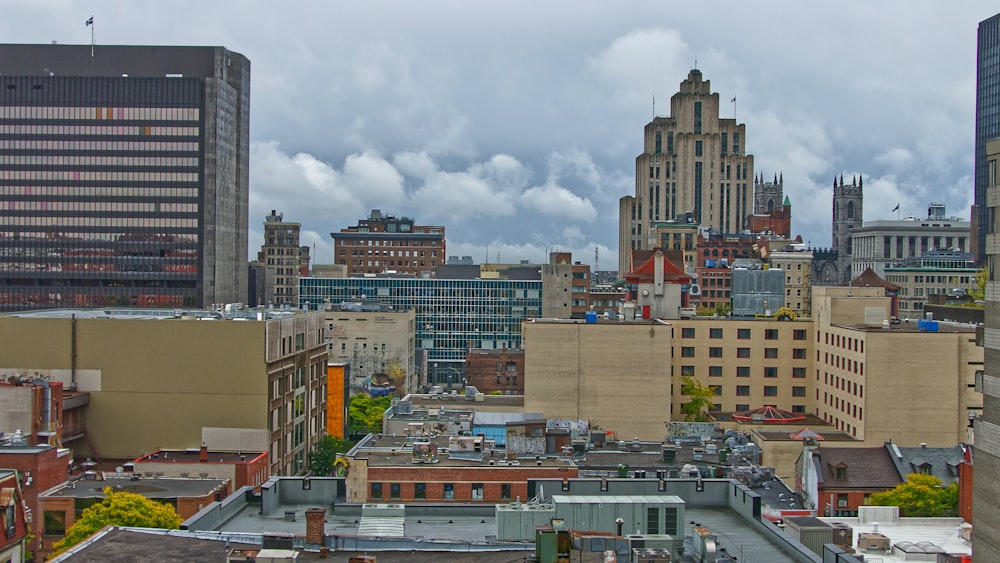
(315, 526)
(204, 453)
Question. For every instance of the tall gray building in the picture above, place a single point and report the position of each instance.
(987, 120)
(693, 161)
(986, 484)
(124, 176)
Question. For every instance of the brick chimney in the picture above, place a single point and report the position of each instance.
(203, 457)
(315, 526)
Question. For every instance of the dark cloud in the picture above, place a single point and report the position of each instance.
(517, 125)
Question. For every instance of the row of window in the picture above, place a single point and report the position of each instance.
(744, 371)
(98, 221)
(387, 242)
(769, 353)
(447, 491)
(742, 333)
(108, 176)
(91, 145)
(92, 112)
(150, 191)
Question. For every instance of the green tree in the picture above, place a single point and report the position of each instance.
(365, 413)
(324, 454)
(120, 508)
(920, 495)
(979, 291)
(702, 398)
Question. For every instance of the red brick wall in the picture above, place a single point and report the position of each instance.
(47, 470)
(435, 477)
(253, 473)
(965, 491)
(481, 370)
(19, 524)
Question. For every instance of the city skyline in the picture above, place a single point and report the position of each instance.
(518, 129)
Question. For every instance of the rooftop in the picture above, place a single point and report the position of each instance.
(942, 532)
(234, 311)
(194, 456)
(149, 488)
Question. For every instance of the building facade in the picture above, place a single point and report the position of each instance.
(986, 486)
(378, 341)
(386, 243)
(126, 172)
(935, 273)
(797, 266)
(880, 244)
(496, 371)
(987, 124)
(161, 380)
(693, 161)
(282, 254)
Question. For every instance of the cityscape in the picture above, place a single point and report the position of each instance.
(402, 361)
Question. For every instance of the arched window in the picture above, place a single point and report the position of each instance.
(770, 205)
(850, 210)
(835, 210)
(725, 252)
(715, 252)
(849, 244)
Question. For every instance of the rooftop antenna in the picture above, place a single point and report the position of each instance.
(596, 250)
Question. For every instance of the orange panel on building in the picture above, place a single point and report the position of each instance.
(336, 401)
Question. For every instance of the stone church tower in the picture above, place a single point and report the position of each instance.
(833, 266)
(767, 196)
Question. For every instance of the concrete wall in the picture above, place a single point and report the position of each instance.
(615, 375)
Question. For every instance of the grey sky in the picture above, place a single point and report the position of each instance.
(516, 124)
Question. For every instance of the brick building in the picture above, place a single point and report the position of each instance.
(41, 468)
(495, 370)
(12, 518)
(240, 469)
(382, 243)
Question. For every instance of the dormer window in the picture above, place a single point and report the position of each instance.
(840, 473)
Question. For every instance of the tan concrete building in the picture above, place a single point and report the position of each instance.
(374, 339)
(798, 278)
(163, 381)
(674, 235)
(693, 161)
(896, 384)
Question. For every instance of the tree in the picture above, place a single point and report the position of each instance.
(323, 457)
(979, 291)
(701, 399)
(120, 508)
(920, 495)
(365, 413)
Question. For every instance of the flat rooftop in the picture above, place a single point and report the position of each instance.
(910, 326)
(194, 456)
(460, 401)
(149, 488)
(245, 314)
(942, 532)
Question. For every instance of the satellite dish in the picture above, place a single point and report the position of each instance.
(695, 290)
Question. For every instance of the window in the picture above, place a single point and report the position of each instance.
(715, 371)
(742, 371)
(420, 490)
(799, 409)
(687, 371)
(55, 523)
(799, 353)
(770, 353)
(770, 390)
(687, 352)
(742, 390)
(715, 333)
(394, 490)
(799, 373)
(798, 391)
(697, 148)
(743, 333)
(741, 407)
(376, 490)
(841, 500)
(505, 490)
(653, 520)
(716, 389)
(742, 352)
(799, 333)
(771, 371)
(840, 473)
(715, 352)
(477, 491)
(449, 491)
(687, 332)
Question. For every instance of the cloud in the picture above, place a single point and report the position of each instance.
(556, 201)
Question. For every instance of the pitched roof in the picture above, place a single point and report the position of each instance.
(869, 278)
(867, 468)
(645, 273)
(940, 462)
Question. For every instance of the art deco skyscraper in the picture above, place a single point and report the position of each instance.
(124, 176)
(692, 162)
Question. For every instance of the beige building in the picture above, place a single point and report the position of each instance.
(673, 235)
(282, 254)
(923, 278)
(798, 278)
(693, 161)
(374, 339)
(158, 380)
(882, 243)
(880, 382)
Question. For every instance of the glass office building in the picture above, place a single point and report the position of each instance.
(451, 314)
(123, 176)
(987, 119)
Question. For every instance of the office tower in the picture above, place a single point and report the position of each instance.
(987, 120)
(123, 175)
(986, 463)
(693, 161)
(386, 243)
(282, 254)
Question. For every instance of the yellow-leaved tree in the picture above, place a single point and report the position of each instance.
(120, 508)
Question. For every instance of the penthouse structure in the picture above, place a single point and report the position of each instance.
(124, 175)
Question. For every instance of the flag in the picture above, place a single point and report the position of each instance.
(895, 208)
(734, 99)
(90, 21)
